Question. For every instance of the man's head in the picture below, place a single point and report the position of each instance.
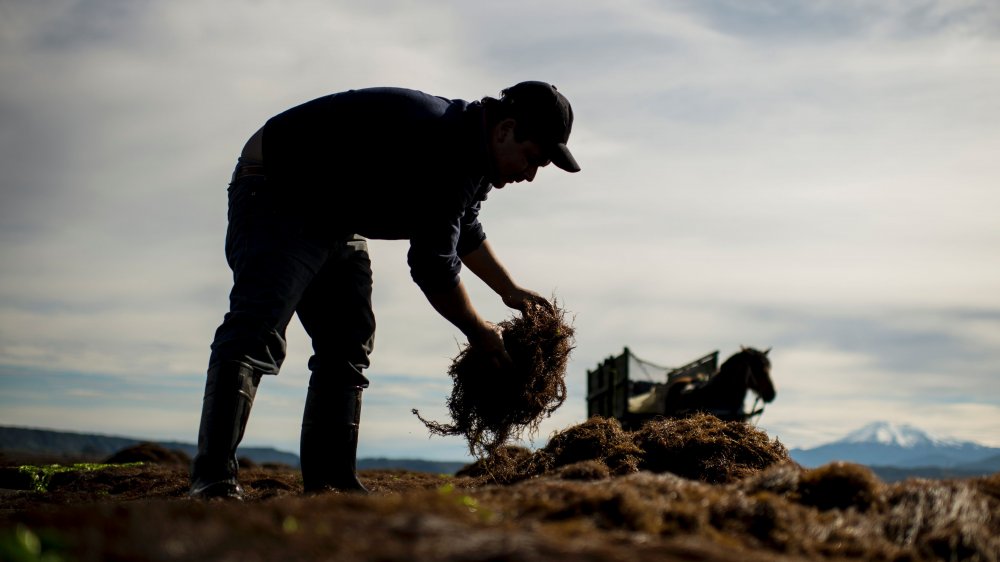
(528, 128)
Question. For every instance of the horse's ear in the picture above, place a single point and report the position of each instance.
(743, 347)
(768, 350)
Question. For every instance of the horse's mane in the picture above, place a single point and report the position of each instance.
(747, 354)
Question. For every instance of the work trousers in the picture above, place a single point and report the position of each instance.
(285, 263)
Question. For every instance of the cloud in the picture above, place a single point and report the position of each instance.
(839, 371)
(786, 21)
(817, 177)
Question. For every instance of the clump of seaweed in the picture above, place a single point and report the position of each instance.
(840, 485)
(598, 439)
(584, 470)
(594, 449)
(780, 479)
(943, 520)
(703, 447)
(491, 404)
(505, 464)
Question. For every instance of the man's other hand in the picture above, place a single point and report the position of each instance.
(520, 299)
(487, 340)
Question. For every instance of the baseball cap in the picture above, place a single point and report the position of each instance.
(546, 118)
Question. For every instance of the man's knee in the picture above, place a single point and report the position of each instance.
(254, 341)
(335, 376)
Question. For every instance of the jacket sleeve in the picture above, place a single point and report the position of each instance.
(452, 230)
(433, 256)
(471, 234)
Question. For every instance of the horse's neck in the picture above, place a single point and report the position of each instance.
(730, 384)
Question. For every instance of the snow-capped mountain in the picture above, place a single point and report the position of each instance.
(887, 444)
(887, 433)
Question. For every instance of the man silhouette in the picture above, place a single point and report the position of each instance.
(310, 187)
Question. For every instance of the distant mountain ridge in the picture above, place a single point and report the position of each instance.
(52, 442)
(887, 433)
(46, 441)
(884, 444)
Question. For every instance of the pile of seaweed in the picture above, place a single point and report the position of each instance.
(838, 511)
(701, 447)
(491, 404)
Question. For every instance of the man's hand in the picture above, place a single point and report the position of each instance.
(521, 299)
(487, 339)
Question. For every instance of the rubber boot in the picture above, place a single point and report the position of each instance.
(329, 445)
(229, 392)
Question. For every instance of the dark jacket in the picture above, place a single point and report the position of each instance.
(388, 163)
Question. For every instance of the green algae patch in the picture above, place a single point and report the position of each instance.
(41, 475)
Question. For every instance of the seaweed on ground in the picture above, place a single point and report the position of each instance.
(492, 404)
(505, 464)
(703, 447)
(783, 512)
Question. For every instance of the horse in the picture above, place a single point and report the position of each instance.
(723, 393)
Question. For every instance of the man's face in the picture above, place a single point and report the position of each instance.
(514, 161)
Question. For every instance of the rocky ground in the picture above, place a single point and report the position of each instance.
(683, 490)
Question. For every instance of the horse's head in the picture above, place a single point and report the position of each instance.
(759, 372)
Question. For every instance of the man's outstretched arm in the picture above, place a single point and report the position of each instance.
(454, 305)
(484, 263)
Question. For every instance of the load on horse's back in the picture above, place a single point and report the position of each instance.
(723, 393)
(700, 386)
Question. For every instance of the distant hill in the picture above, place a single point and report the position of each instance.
(45, 441)
(898, 449)
(416, 465)
(66, 443)
(897, 474)
(990, 464)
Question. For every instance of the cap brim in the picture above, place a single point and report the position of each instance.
(563, 158)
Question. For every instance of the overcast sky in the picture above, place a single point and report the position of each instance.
(817, 177)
